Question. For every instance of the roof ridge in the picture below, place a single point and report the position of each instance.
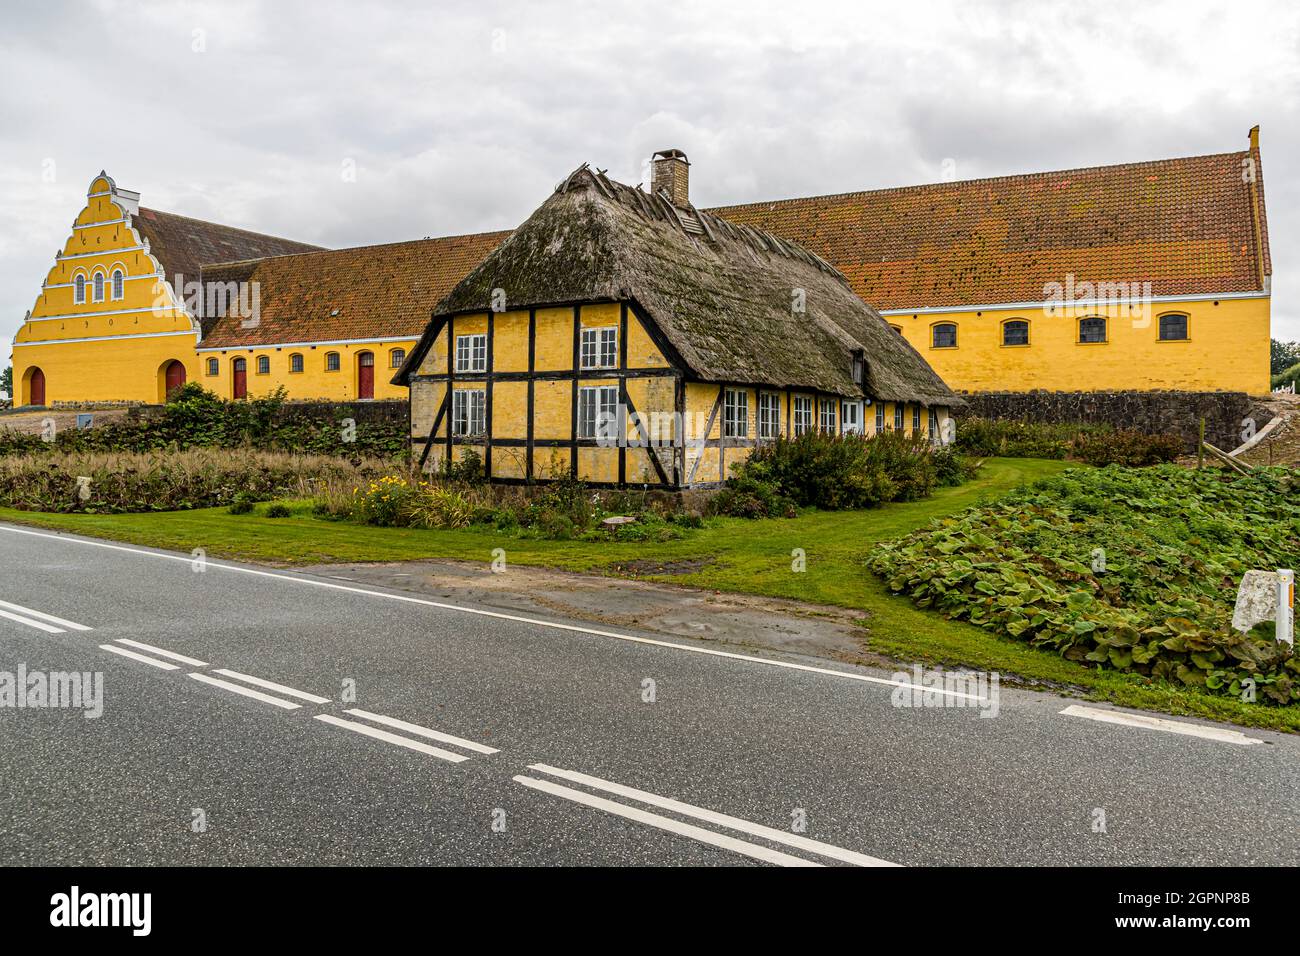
(323, 251)
(968, 182)
(222, 225)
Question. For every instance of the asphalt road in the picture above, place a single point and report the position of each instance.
(532, 742)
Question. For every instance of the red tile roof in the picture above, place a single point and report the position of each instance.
(1185, 225)
(367, 292)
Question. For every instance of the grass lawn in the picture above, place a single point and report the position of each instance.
(744, 556)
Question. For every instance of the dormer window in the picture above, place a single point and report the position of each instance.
(859, 367)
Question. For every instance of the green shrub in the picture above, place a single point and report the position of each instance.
(242, 505)
(835, 472)
(1290, 376)
(1128, 447)
(1135, 570)
(278, 510)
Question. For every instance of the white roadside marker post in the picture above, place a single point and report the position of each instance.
(1286, 605)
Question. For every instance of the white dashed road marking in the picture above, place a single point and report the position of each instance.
(122, 651)
(385, 736)
(245, 691)
(141, 645)
(423, 731)
(793, 840)
(51, 625)
(271, 685)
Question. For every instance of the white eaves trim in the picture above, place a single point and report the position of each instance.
(110, 338)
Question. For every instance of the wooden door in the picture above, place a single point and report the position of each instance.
(240, 369)
(175, 376)
(366, 375)
(37, 388)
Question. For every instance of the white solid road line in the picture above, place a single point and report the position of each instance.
(423, 731)
(141, 645)
(712, 816)
(28, 612)
(537, 622)
(245, 691)
(271, 685)
(161, 665)
(1158, 723)
(391, 738)
(722, 841)
(39, 625)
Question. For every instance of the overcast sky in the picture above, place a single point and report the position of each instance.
(460, 117)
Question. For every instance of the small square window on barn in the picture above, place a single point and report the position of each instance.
(214, 366)
(803, 414)
(769, 415)
(468, 412)
(263, 365)
(944, 335)
(735, 413)
(598, 413)
(295, 362)
(396, 357)
(471, 353)
(331, 361)
(1173, 328)
(1092, 330)
(826, 415)
(599, 348)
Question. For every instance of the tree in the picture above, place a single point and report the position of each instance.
(1283, 355)
(7, 380)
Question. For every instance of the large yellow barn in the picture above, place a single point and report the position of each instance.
(1138, 276)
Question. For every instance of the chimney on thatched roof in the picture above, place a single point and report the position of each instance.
(670, 177)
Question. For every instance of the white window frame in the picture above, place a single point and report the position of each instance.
(468, 412)
(826, 418)
(916, 419)
(598, 411)
(880, 417)
(803, 414)
(933, 422)
(471, 352)
(598, 347)
(900, 409)
(853, 427)
(97, 287)
(769, 415)
(735, 413)
(119, 285)
(79, 289)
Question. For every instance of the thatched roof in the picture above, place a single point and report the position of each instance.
(724, 295)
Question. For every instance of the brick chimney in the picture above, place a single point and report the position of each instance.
(671, 174)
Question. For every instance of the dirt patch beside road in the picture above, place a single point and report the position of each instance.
(741, 622)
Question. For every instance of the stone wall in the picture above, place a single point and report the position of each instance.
(1170, 412)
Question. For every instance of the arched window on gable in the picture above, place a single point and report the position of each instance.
(119, 284)
(79, 290)
(99, 287)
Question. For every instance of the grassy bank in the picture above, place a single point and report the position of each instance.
(730, 554)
